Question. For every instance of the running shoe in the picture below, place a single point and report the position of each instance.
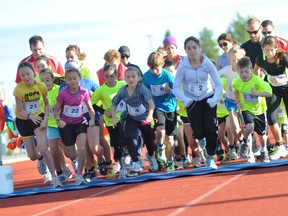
(170, 166)
(41, 166)
(196, 162)
(56, 182)
(47, 176)
(280, 151)
(264, 157)
(122, 173)
(135, 169)
(153, 165)
(210, 163)
(79, 180)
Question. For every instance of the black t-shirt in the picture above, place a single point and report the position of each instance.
(252, 50)
(272, 68)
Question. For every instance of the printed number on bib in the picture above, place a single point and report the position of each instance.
(250, 98)
(158, 90)
(72, 111)
(33, 106)
(198, 89)
(136, 111)
(121, 107)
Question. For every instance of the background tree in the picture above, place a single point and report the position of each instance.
(208, 44)
(237, 28)
(167, 33)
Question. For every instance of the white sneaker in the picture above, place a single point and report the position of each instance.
(135, 169)
(56, 182)
(251, 158)
(117, 167)
(153, 165)
(79, 180)
(47, 177)
(67, 173)
(210, 163)
(41, 166)
(196, 162)
(127, 162)
(278, 153)
(122, 174)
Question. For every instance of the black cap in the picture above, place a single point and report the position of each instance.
(124, 50)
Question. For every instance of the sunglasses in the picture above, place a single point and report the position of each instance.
(125, 56)
(223, 44)
(253, 32)
(267, 33)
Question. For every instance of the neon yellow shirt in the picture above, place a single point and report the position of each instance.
(248, 101)
(221, 108)
(30, 97)
(105, 94)
(52, 98)
(282, 114)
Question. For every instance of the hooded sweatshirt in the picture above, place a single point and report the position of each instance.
(197, 83)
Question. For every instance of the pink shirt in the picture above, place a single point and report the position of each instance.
(71, 105)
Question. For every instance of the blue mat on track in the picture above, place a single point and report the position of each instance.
(147, 177)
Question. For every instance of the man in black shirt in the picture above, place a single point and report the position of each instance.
(253, 46)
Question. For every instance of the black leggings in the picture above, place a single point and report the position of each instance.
(129, 127)
(203, 121)
(273, 105)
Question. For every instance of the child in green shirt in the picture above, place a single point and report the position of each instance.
(249, 90)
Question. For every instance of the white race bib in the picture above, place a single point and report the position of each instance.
(281, 111)
(84, 108)
(198, 89)
(72, 111)
(158, 90)
(135, 111)
(121, 107)
(51, 112)
(31, 107)
(250, 98)
(278, 76)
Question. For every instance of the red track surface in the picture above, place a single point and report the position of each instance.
(249, 192)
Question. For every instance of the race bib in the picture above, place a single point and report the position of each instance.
(198, 89)
(121, 107)
(51, 112)
(72, 111)
(279, 77)
(135, 111)
(31, 107)
(84, 108)
(281, 112)
(250, 98)
(158, 90)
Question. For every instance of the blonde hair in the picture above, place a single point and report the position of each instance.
(236, 49)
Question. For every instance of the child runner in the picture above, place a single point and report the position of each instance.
(139, 109)
(160, 83)
(105, 94)
(230, 73)
(249, 90)
(275, 62)
(53, 136)
(195, 74)
(170, 46)
(70, 119)
(31, 121)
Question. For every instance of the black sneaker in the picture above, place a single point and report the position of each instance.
(89, 175)
(244, 150)
(103, 168)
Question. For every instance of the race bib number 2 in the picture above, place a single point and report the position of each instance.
(31, 107)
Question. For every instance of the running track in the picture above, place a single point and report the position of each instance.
(248, 192)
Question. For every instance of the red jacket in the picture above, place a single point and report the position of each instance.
(121, 69)
(283, 44)
(53, 62)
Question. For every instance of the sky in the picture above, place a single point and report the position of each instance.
(97, 26)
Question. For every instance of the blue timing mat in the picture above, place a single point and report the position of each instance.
(147, 177)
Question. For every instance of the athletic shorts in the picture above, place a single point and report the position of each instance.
(222, 119)
(26, 127)
(259, 121)
(168, 120)
(53, 133)
(70, 132)
(230, 105)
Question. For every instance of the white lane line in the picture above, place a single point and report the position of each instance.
(215, 189)
(78, 200)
